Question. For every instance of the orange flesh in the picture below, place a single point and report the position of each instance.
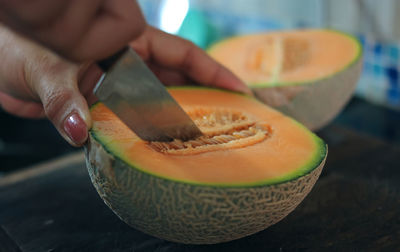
(285, 150)
(295, 56)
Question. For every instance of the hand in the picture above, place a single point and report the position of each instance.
(177, 61)
(78, 30)
(36, 82)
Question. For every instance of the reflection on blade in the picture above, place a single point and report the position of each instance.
(142, 102)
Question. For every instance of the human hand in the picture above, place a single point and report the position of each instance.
(36, 82)
(177, 61)
(78, 30)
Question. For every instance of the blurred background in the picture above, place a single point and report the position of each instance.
(26, 142)
(376, 25)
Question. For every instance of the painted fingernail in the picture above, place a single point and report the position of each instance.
(75, 128)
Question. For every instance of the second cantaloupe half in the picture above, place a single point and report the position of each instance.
(307, 74)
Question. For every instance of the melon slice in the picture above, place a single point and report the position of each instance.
(307, 74)
(251, 168)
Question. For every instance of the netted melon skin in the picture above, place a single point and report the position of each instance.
(317, 103)
(186, 213)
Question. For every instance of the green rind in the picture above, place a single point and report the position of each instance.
(313, 163)
(260, 85)
(187, 213)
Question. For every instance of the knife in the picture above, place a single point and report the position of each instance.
(131, 90)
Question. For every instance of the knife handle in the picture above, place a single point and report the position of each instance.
(107, 63)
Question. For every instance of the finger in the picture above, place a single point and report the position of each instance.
(113, 26)
(87, 81)
(62, 101)
(21, 108)
(47, 21)
(76, 20)
(118, 23)
(78, 30)
(169, 77)
(190, 59)
(68, 111)
(14, 50)
(34, 13)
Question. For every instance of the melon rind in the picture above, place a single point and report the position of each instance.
(190, 213)
(313, 103)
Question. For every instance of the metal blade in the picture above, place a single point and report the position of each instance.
(142, 102)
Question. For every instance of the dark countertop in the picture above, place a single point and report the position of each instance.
(354, 205)
(24, 142)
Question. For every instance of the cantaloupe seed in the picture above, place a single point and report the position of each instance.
(222, 129)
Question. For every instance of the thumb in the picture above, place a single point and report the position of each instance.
(64, 104)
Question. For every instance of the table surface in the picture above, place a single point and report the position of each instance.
(354, 206)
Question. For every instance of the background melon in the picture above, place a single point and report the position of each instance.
(251, 168)
(307, 74)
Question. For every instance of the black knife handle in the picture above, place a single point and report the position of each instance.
(107, 63)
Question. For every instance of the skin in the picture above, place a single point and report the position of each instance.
(36, 82)
(95, 28)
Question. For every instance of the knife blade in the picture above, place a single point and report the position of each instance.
(131, 90)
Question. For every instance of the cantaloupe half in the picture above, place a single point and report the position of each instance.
(251, 168)
(307, 74)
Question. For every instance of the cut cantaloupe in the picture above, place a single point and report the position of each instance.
(251, 168)
(307, 74)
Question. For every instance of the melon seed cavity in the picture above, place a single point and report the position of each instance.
(275, 56)
(222, 129)
(297, 53)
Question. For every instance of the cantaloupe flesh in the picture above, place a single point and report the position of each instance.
(289, 57)
(290, 151)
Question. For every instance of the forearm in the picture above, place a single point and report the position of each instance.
(35, 82)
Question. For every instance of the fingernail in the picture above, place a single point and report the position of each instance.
(75, 128)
